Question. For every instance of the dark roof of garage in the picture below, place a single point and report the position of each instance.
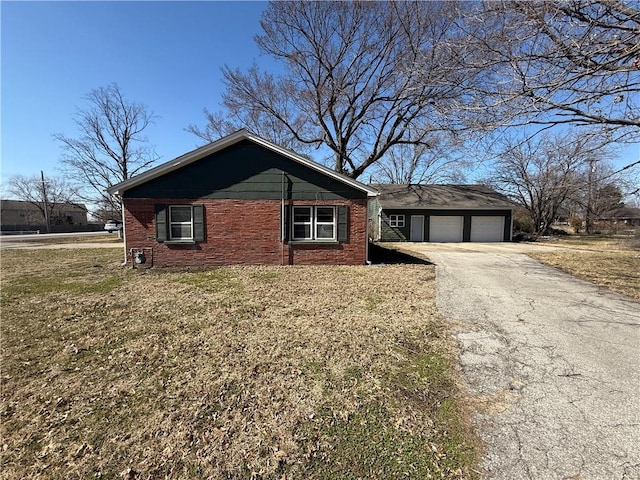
(445, 197)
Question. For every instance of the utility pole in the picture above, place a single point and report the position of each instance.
(588, 219)
(44, 201)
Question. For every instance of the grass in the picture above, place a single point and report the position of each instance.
(238, 372)
(611, 262)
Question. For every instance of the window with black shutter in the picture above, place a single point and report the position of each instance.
(180, 223)
(316, 223)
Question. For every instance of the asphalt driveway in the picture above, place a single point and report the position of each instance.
(552, 364)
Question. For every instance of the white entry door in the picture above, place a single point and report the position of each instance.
(417, 228)
(445, 228)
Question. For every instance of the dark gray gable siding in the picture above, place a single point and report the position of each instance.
(395, 234)
(249, 171)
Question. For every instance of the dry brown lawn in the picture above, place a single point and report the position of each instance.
(611, 262)
(238, 372)
(36, 240)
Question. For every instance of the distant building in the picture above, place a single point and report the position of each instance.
(623, 215)
(21, 215)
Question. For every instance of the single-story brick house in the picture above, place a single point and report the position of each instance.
(440, 213)
(623, 215)
(243, 200)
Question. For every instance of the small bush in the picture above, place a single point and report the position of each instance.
(575, 221)
(523, 237)
(522, 221)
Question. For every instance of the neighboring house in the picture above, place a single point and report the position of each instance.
(21, 215)
(243, 200)
(624, 215)
(440, 213)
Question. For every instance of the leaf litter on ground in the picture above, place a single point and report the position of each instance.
(235, 372)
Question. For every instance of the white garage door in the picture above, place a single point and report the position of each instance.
(487, 229)
(445, 228)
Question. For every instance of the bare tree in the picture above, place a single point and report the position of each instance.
(439, 162)
(545, 174)
(550, 63)
(103, 212)
(604, 189)
(111, 146)
(607, 199)
(260, 122)
(360, 78)
(47, 194)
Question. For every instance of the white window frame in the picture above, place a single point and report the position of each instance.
(314, 223)
(309, 208)
(396, 220)
(172, 223)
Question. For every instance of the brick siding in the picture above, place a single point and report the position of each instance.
(241, 232)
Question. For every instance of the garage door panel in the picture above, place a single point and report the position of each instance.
(487, 228)
(445, 228)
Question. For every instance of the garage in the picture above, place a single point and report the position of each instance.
(487, 228)
(446, 228)
(439, 213)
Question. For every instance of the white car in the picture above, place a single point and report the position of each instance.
(112, 226)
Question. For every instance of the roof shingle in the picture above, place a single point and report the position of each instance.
(403, 196)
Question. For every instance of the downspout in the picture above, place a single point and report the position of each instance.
(282, 218)
(124, 234)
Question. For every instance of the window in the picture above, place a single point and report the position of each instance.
(325, 223)
(180, 223)
(314, 223)
(396, 221)
(302, 223)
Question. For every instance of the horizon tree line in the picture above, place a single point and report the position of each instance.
(404, 91)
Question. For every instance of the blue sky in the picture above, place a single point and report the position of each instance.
(166, 55)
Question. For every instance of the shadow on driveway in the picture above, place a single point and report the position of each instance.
(379, 254)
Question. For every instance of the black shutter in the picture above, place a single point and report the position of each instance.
(343, 223)
(198, 223)
(285, 228)
(161, 223)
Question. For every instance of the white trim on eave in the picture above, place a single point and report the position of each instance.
(225, 142)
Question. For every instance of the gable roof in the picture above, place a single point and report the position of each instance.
(441, 197)
(621, 213)
(224, 142)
